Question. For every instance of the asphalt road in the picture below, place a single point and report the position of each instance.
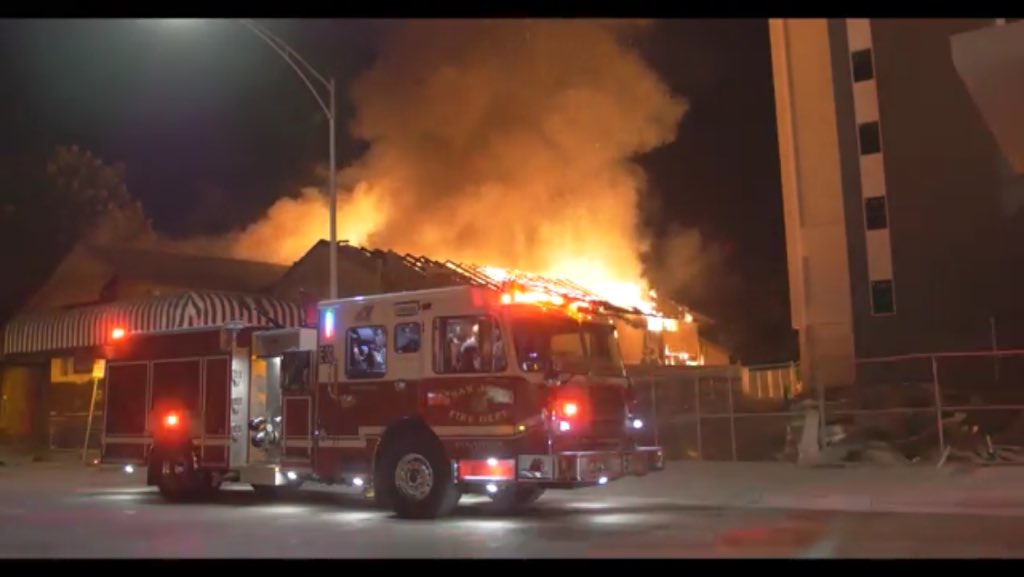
(53, 514)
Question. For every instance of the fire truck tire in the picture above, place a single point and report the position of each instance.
(516, 498)
(416, 478)
(180, 481)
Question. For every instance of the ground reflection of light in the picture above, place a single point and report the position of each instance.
(617, 518)
(135, 497)
(594, 505)
(354, 516)
(119, 490)
(285, 509)
(487, 524)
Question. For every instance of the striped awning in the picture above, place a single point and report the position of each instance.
(93, 325)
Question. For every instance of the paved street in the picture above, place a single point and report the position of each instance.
(62, 512)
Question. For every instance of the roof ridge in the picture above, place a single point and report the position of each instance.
(181, 254)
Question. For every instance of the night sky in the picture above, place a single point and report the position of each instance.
(213, 127)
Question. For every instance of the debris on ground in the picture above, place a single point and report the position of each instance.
(903, 438)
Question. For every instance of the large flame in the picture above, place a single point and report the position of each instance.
(630, 295)
(508, 143)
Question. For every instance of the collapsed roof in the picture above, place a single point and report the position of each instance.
(404, 271)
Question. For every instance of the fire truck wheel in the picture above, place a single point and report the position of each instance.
(516, 497)
(177, 478)
(416, 479)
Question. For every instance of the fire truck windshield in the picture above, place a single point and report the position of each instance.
(566, 345)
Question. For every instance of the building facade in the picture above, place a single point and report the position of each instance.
(904, 220)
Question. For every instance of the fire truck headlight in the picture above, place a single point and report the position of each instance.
(564, 426)
(602, 481)
(491, 488)
(129, 469)
(358, 481)
(638, 424)
(291, 475)
(492, 462)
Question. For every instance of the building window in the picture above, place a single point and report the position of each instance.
(367, 356)
(870, 138)
(863, 68)
(407, 338)
(875, 214)
(883, 298)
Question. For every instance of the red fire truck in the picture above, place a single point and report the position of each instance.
(416, 397)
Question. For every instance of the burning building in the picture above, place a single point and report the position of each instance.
(53, 350)
(652, 330)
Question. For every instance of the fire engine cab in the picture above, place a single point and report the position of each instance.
(417, 398)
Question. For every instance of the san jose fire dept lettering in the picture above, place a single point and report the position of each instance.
(474, 404)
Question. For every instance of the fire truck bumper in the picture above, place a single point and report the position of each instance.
(585, 468)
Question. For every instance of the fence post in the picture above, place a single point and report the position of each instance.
(732, 418)
(821, 414)
(938, 404)
(792, 380)
(696, 397)
(654, 409)
(88, 424)
(994, 334)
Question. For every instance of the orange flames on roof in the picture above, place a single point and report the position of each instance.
(558, 291)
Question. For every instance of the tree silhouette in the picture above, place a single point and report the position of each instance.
(49, 207)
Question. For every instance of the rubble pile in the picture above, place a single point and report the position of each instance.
(903, 436)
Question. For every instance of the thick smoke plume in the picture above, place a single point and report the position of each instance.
(497, 142)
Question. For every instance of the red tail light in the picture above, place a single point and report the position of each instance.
(172, 420)
(566, 413)
(491, 469)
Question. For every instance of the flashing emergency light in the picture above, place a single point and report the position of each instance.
(117, 334)
(329, 323)
(570, 409)
(171, 420)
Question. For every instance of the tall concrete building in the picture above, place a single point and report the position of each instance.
(901, 154)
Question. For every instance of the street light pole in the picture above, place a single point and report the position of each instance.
(332, 199)
(295, 61)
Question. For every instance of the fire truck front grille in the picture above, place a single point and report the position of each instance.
(609, 411)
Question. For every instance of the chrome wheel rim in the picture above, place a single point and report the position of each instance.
(414, 478)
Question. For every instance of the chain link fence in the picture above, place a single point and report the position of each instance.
(915, 408)
(718, 413)
(67, 432)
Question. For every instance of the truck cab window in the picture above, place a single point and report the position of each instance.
(407, 338)
(470, 344)
(367, 351)
(566, 345)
